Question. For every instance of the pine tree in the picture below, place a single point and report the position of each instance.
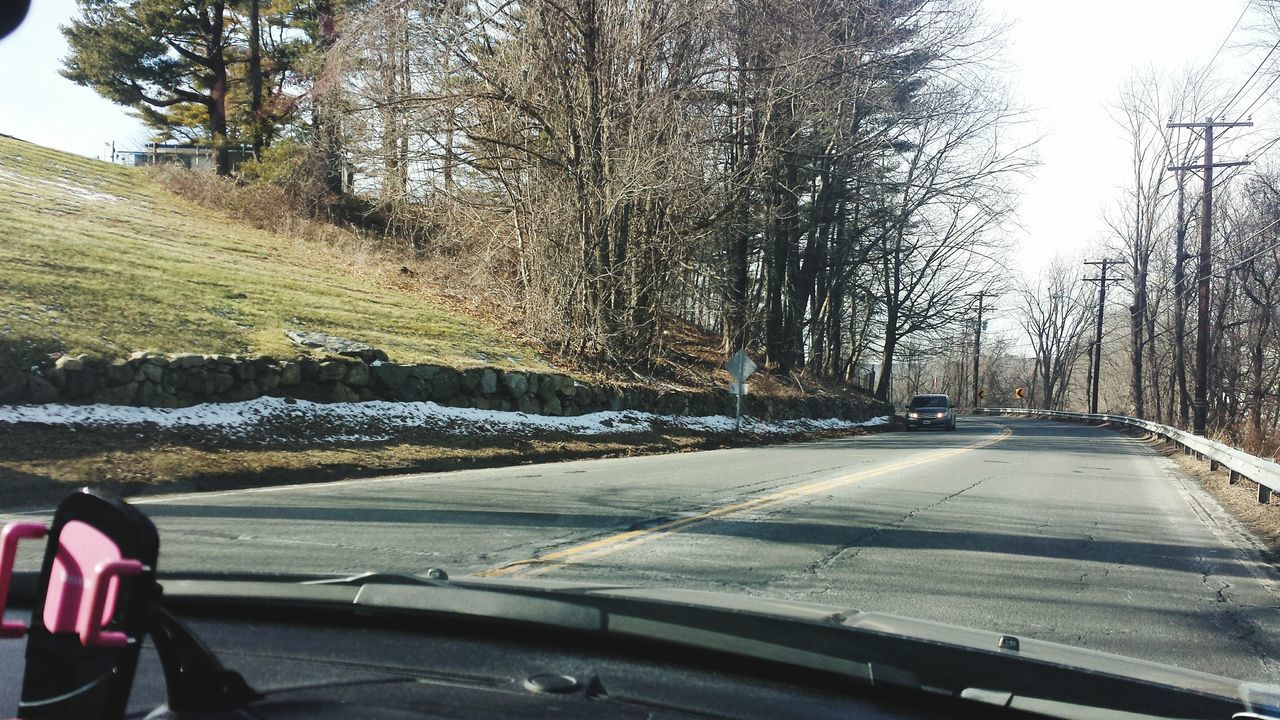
(164, 58)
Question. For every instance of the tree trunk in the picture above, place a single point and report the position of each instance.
(1137, 330)
(1180, 311)
(218, 121)
(218, 92)
(324, 118)
(255, 77)
(1153, 367)
(1255, 399)
(738, 248)
(886, 360)
(892, 288)
(777, 272)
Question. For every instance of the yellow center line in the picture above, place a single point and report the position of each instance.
(630, 538)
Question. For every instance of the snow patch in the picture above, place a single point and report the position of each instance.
(268, 418)
(66, 189)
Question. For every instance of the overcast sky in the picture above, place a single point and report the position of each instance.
(1065, 62)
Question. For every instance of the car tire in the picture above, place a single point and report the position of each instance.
(952, 426)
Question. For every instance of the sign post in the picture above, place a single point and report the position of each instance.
(740, 367)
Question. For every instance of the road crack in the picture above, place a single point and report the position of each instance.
(754, 489)
(854, 548)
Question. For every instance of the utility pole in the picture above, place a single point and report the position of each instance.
(1202, 273)
(1097, 340)
(977, 344)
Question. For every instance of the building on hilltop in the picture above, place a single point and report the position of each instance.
(192, 157)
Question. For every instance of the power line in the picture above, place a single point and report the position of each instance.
(1230, 32)
(1194, 281)
(1226, 108)
(1256, 153)
(1261, 96)
(1247, 260)
(1263, 147)
(1238, 264)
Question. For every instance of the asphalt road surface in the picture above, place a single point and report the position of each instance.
(1056, 531)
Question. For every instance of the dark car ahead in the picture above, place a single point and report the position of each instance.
(931, 411)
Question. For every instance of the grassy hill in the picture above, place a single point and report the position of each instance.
(98, 258)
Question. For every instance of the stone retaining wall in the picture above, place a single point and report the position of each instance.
(153, 380)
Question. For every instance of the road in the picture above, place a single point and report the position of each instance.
(1056, 531)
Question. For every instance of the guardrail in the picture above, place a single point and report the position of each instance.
(1241, 464)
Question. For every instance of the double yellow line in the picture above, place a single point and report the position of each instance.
(628, 539)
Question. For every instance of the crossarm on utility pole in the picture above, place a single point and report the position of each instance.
(1200, 403)
(1237, 163)
(1097, 342)
(1209, 123)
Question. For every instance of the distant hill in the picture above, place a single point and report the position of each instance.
(98, 258)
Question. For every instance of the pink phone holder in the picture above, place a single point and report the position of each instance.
(83, 584)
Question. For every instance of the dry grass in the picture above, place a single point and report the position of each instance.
(694, 359)
(100, 258)
(1241, 499)
(105, 259)
(41, 464)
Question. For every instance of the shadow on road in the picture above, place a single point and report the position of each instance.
(1029, 436)
(855, 533)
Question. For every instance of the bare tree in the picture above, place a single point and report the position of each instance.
(1055, 312)
(949, 205)
(1142, 223)
(752, 168)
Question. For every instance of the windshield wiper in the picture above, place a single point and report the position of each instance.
(432, 577)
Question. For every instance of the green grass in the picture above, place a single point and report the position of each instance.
(97, 258)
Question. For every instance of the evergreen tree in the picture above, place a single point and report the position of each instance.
(168, 59)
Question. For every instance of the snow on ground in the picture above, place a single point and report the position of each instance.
(266, 417)
(65, 189)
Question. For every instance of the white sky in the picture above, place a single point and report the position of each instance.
(1066, 61)
(39, 105)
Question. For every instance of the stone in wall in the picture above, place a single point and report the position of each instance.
(155, 380)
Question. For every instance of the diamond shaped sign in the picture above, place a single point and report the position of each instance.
(740, 366)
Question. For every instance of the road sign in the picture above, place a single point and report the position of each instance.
(740, 366)
(982, 394)
(1020, 393)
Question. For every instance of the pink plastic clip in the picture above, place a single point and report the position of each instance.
(99, 591)
(81, 548)
(9, 537)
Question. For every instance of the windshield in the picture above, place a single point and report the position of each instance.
(929, 401)
(388, 286)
